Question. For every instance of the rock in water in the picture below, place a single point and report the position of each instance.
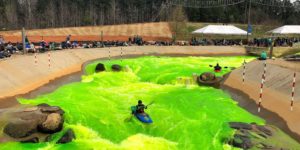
(51, 109)
(100, 68)
(30, 109)
(240, 125)
(208, 79)
(20, 128)
(36, 117)
(43, 105)
(31, 140)
(207, 76)
(53, 123)
(265, 130)
(24, 124)
(116, 68)
(48, 138)
(241, 141)
(67, 137)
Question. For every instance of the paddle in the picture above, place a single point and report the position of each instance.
(131, 116)
(150, 104)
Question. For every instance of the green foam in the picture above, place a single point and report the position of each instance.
(185, 117)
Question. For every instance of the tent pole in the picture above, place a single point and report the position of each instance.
(249, 19)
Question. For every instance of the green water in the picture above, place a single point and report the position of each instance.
(185, 116)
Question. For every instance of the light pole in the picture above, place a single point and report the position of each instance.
(249, 19)
(271, 47)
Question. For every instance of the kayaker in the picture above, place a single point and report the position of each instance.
(140, 107)
(218, 68)
(263, 56)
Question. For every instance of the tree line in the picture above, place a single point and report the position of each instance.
(15, 14)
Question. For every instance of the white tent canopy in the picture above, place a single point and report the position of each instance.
(287, 29)
(221, 30)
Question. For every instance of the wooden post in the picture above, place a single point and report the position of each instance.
(23, 40)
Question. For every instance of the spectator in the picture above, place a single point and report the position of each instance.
(75, 44)
(52, 46)
(19, 46)
(42, 46)
(68, 38)
(2, 43)
(266, 42)
(10, 48)
(99, 44)
(68, 42)
(31, 48)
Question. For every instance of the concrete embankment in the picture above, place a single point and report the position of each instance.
(276, 93)
(20, 74)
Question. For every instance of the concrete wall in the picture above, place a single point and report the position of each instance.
(20, 74)
(277, 88)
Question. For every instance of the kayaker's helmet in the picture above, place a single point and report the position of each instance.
(140, 102)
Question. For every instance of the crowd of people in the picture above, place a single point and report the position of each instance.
(7, 49)
(216, 42)
(257, 42)
(278, 42)
(3, 51)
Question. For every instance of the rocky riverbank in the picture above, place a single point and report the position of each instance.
(253, 136)
(33, 124)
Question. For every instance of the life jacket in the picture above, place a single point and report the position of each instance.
(140, 108)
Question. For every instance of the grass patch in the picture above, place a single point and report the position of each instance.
(285, 52)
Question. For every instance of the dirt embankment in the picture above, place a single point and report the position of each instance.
(149, 31)
(276, 93)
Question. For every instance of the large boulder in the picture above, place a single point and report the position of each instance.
(100, 67)
(26, 123)
(33, 116)
(51, 109)
(207, 76)
(242, 141)
(264, 130)
(116, 68)
(31, 140)
(266, 146)
(53, 123)
(20, 128)
(67, 137)
(240, 125)
(43, 105)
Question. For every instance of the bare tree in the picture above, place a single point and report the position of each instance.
(178, 20)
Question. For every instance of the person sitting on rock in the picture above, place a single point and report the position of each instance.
(140, 107)
(218, 68)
